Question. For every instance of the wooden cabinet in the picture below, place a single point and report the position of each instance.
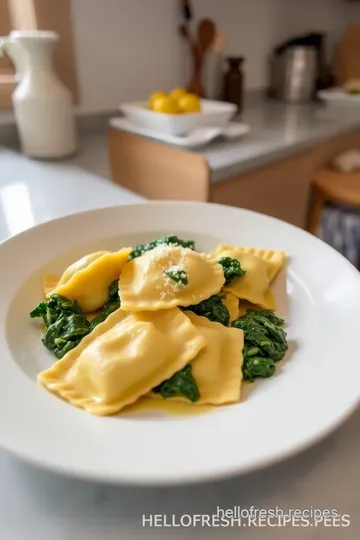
(280, 188)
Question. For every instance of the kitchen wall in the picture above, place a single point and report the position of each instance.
(128, 48)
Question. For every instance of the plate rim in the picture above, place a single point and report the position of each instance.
(184, 479)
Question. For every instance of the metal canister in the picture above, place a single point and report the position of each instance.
(298, 74)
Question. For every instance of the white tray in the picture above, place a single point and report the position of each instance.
(199, 137)
(213, 113)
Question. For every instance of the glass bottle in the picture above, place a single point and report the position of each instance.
(234, 82)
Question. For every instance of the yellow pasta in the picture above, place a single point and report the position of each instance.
(144, 285)
(232, 303)
(244, 306)
(275, 258)
(260, 271)
(124, 358)
(87, 280)
(142, 339)
(217, 369)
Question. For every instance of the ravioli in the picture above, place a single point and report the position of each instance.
(276, 258)
(124, 358)
(81, 264)
(88, 279)
(217, 369)
(232, 303)
(144, 285)
(244, 306)
(260, 271)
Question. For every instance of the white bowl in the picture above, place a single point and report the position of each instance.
(337, 97)
(213, 113)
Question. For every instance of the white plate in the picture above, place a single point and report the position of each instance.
(315, 388)
(213, 113)
(197, 138)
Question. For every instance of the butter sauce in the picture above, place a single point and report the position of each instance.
(174, 408)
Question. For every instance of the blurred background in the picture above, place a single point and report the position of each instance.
(124, 49)
(287, 146)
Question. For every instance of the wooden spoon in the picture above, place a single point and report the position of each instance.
(206, 34)
(194, 86)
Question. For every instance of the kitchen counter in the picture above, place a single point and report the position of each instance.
(277, 130)
(39, 505)
(269, 170)
(32, 192)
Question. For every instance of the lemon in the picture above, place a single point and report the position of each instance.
(177, 93)
(189, 104)
(154, 96)
(165, 105)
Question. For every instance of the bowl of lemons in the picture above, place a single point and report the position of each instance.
(178, 112)
(178, 101)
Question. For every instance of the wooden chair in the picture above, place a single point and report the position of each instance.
(332, 186)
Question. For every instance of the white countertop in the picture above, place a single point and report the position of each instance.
(277, 130)
(32, 192)
(38, 505)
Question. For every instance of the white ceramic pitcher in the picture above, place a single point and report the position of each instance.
(43, 106)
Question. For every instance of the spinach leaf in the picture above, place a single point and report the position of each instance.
(114, 289)
(265, 342)
(65, 334)
(213, 309)
(40, 311)
(270, 315)
(232, 269)
(258, 366)
(181, 383)
(65, 323)
(179, 276)
(111, 305)
(140, 249)
(56, 305)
